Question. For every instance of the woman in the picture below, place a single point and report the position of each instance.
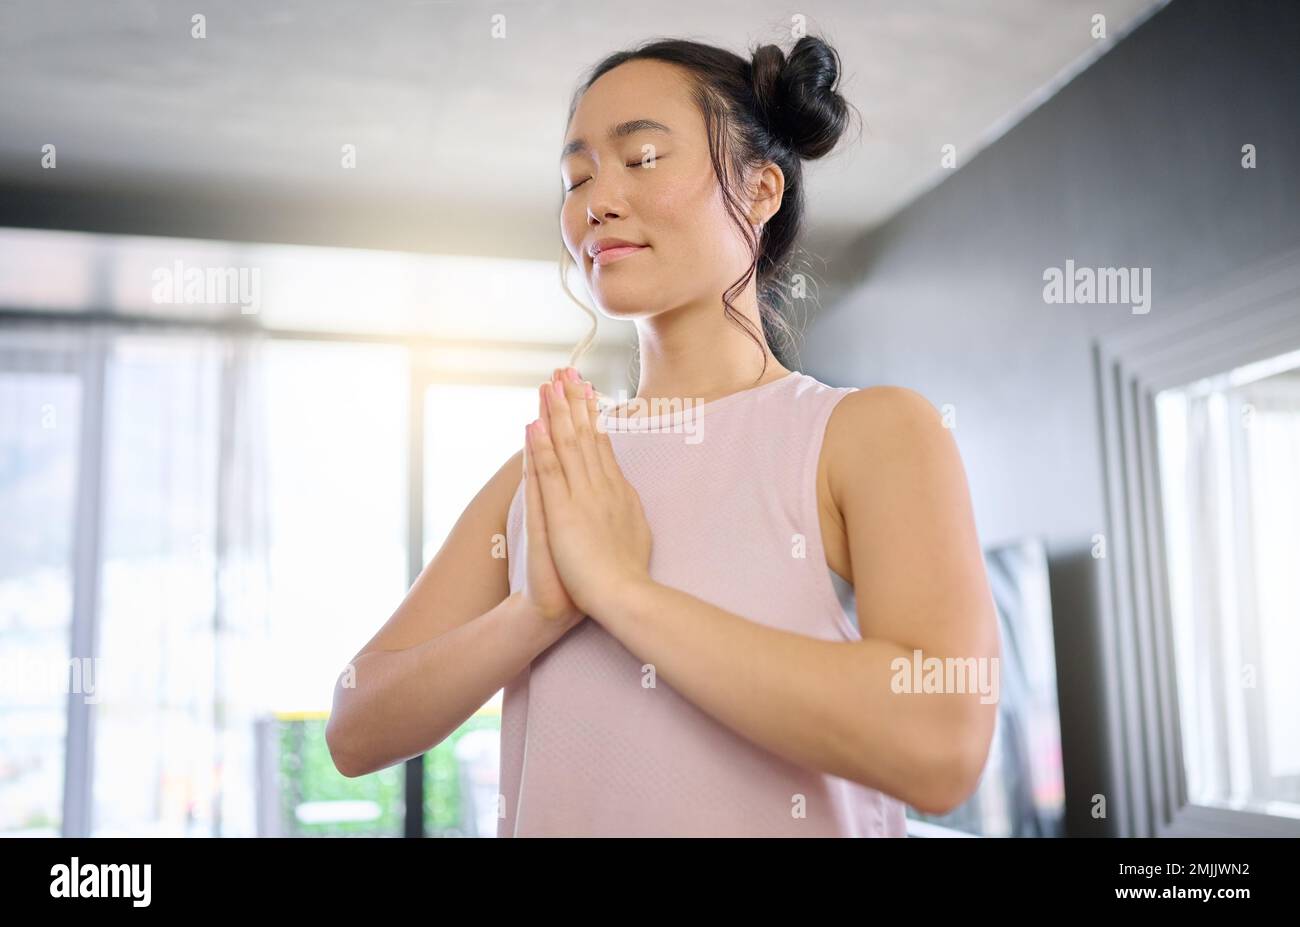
(674, 622)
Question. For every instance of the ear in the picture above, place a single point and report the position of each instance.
(767, 184)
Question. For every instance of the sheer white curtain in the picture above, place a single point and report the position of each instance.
(1272, 413)
(1230, 456)
(48, 420)
(1205, 608)
(139, 551)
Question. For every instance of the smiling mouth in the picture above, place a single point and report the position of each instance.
(610, 255)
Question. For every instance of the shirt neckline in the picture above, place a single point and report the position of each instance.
(647, 421)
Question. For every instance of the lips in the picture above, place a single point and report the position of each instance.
(617, 253)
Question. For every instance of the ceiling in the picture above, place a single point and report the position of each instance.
(238, 134)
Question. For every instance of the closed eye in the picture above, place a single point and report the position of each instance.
(645, 163)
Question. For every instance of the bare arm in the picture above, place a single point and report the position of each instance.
(458, 637)
(921, 585)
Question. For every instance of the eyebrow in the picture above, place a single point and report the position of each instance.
(622, 130)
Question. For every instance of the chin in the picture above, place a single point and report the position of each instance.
(625, 302)
(623, 310)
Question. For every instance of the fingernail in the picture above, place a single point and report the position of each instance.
(557, 389)
(586, 389)
(571, 373)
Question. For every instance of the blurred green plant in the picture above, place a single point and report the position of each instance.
(307, 775)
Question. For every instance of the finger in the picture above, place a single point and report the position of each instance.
(551, 481)
(600, 437)
(581, 412)
(545, 397)
(564, 440)
(534, 515)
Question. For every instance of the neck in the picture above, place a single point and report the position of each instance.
(698, 352)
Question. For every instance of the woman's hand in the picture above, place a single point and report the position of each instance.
(599, 539)
(543, 588)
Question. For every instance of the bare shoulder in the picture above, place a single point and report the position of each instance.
(507, 481)
(893, 402)
(900, 487)
(881, 424)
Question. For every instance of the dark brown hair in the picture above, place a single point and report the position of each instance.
(772, 107)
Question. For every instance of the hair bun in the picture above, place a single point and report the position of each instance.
(796, 98)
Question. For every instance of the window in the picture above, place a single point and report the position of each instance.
(1201, 427)
(468, 435)
(337, 435)
(155, 746)
(40, 423)
(207, 514)
(1230, 471)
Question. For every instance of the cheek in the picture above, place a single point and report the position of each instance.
(681, 220)
(694, 227)
(573, 228)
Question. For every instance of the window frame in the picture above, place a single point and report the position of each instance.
(86, 363)
(1251, 315)
(432, 360)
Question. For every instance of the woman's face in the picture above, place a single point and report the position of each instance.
(665, 196)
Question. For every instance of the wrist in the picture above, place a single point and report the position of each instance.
(547, 628)
(614, 598)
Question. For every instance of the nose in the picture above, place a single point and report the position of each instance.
(605, 201)
(598, 214)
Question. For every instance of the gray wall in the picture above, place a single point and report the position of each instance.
(1135, 163)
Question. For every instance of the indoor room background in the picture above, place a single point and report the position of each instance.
(212, 494)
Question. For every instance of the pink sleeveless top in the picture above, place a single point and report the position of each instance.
(728, 489)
